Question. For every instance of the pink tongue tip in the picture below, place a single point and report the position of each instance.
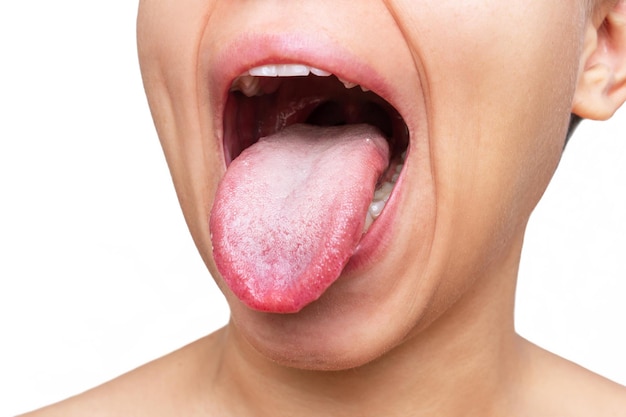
(290, 211)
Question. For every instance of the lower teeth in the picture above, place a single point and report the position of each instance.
(381, 195)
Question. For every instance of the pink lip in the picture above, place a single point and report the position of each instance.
(253, 50)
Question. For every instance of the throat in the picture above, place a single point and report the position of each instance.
(446, 380)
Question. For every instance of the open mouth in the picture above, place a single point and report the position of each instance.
(312, 161)
(269, 98)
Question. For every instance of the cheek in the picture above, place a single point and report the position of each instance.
(168, 35)
(499, 79)
(494, 66)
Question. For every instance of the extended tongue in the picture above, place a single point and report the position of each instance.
(290, 211)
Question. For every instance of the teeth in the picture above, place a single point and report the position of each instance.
(380, 199)
(265, 71)
(348, 84)
(320, 73)
(381, 195)
(368, 222)
(286, 70)
(247, 84)
(376, 208)
(250, 84)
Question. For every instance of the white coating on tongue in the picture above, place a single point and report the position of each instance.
(290, 211)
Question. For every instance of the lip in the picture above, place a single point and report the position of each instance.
(244, 53)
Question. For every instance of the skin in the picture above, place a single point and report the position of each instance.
(426, 329)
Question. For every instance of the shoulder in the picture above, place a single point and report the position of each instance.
(556, 386)
(164, 387)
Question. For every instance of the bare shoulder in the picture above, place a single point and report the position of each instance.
(557, 386)
(167, 386)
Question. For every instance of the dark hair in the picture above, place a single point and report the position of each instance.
(574, 121)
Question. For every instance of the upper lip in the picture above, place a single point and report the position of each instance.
(251, 51)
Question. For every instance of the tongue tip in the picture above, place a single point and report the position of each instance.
(270, 305)
(273, 301)
(265, 283)
(277, 291)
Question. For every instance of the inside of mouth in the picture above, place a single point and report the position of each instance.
(318, 101)
(311, 165)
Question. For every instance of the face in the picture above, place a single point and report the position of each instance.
(478, 93)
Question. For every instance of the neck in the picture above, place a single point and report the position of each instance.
(461, 364)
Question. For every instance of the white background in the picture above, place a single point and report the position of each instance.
(98, 273)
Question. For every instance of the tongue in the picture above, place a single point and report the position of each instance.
(290, 212)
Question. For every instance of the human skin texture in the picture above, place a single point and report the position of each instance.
(487, 106)
(420, 322)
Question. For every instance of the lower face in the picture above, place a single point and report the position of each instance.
(473, 99)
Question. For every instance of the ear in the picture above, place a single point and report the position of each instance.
(601, 88)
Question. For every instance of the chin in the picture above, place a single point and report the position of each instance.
(355, 322)
(321, 337)
(334, 305)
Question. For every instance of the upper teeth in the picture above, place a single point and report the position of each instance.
(284, 70)
(249, 84)
(348, 84)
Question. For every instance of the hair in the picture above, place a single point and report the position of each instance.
(574, 121)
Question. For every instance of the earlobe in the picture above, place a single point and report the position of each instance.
(601, 88)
